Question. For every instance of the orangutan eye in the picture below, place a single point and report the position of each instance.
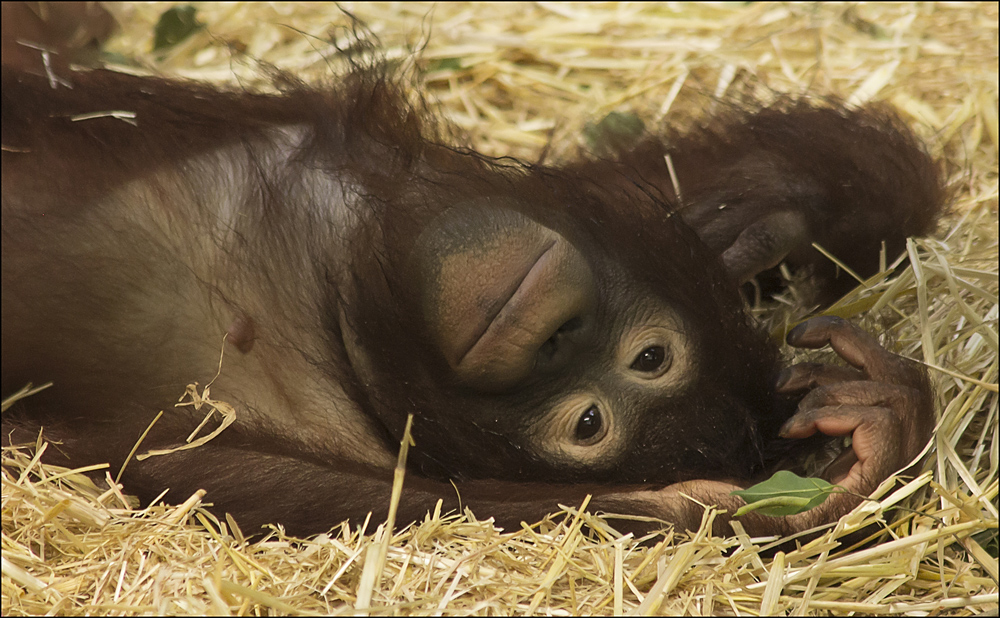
(649, 360)
(589, 425)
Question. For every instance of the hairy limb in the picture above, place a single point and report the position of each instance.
(309, 497)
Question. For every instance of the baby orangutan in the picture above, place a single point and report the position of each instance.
(555, 331)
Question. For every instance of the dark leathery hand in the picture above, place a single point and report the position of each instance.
(884, 403)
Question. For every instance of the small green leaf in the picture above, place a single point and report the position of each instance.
(617, 132)
(175, 25)
(445, 64)
(785, 493)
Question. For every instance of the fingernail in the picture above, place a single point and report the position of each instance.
(786, 428)
(797, 332)
(783, 376)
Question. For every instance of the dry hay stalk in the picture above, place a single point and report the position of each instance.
(523, 79)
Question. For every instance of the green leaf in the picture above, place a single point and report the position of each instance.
(445, 64)
(175, 25)
(785, 493)
(617, 132)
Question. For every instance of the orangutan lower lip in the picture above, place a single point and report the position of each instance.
(537, 264)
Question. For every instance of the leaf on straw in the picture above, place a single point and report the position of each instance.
(617, 132)
(175, 25)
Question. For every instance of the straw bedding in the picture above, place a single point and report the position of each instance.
(525, 80)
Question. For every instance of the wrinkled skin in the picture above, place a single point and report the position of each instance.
(555, 332)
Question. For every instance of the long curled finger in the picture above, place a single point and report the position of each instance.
(868, 427)
(861, 393)
(855, 345)
(804, 376)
